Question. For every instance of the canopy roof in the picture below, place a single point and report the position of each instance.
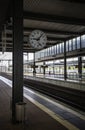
(61, 20)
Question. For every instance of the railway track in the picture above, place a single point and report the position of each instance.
(72, 97)
(75, 98)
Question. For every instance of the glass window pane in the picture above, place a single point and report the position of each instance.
(58, 49)
(78, 42)
(54, 50)
(66, 46)
(70, 45)
(42, 54)
(83, 41)
(50, 51)
(74, 44)
(62, 47)
(45, 52)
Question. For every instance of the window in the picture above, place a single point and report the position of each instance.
(78, 42)
(58, 49)
(50, 50)
(74, 44)
(62, 47)
(53, 51)
(66, 46)
(70, 45)
(83, 41)
(45, 51)
(42, 54)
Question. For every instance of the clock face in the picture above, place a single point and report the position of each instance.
(37, 39)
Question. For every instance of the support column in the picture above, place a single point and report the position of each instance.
(65, 67)
(53, 69)
(80, 63)
(34, 67)
(17, 90)
(44, 66)
(80, 66)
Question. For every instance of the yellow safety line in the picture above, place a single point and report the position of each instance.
(52, 114)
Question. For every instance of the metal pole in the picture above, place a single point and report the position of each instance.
(17, 90)
(65, 66)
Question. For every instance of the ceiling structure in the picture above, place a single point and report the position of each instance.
(61, 20)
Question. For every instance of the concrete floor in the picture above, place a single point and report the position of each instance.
(36, 119)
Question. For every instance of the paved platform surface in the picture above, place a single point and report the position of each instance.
(36, 119)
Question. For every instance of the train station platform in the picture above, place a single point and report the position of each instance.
(69, 83)
(38, 116)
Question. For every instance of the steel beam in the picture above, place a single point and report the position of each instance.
(62, 32)
(54, 18)
(75, 1)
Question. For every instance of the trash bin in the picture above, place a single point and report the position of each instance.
(20, 111)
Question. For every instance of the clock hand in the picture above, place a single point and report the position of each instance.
(40, 36)
(40, 44)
